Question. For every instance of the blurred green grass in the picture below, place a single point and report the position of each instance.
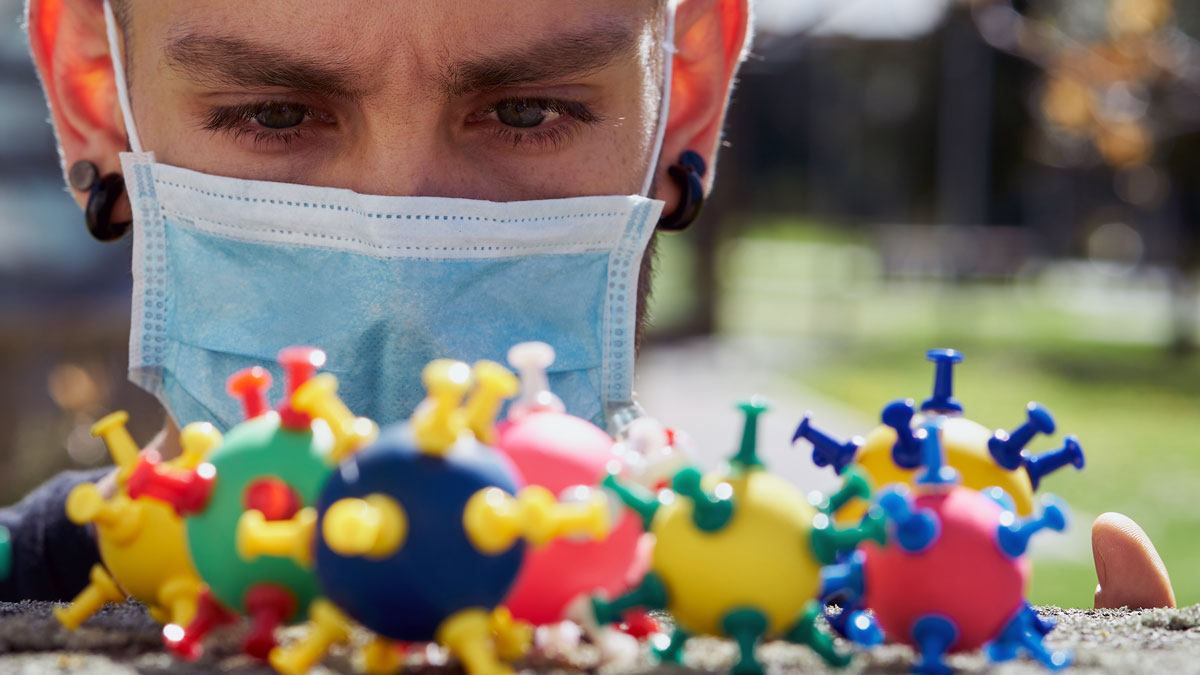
(1076, 340)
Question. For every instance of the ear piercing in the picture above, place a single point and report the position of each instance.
(103, 193)
(687, 174)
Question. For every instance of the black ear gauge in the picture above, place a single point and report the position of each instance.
(103, 193)
(688, 174)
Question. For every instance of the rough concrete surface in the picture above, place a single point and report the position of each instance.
(123, 640)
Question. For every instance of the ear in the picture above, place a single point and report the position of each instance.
(710, 36)
(70, 52)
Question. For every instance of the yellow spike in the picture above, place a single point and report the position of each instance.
(513, 638)
(318, 397)
(468, 636)
(437, 422)
(328, 626)
(119, 518)
(380, 657)
(101, 590)
(547, 519)
(374, 527)
(197, 439)
(178, 598)
(493, 384)
(493, 519)
(293, 538)
(120, 444)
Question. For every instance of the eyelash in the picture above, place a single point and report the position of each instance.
(574, 115)
(238, 122)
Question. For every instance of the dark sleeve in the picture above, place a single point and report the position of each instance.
(51, 555)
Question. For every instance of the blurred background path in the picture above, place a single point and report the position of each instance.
(695, 386)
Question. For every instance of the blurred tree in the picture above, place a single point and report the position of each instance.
(1120, 88)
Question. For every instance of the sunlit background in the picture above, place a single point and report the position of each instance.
(1018, 180)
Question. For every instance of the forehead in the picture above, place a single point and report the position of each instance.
(416, 35)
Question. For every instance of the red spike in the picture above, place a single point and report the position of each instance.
(269, 607)
(186, 491)
(639, 624)
(187, 642)
(299, 365)
(250, 385)
(273, 498)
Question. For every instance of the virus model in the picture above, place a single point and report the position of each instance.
(953, 574)
(737, 553)
(892, 453)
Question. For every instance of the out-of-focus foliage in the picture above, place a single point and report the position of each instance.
(1121, 77)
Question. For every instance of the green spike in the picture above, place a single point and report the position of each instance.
(747, 454)
(5, 552)
(709, 513)
(854, 484)
(746, 626)
(651, 593)
(828, 541)
(805, 632)
(635, 497)
(673, 652)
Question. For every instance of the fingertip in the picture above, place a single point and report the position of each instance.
(1129, 569)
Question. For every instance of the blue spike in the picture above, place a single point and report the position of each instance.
(862, 628)
(1040, 626)
(915, 529)
(853, 622)
(1025, 632)
(1006, 447)
(943, 382)
(1048, 462)
(844, 579)
(998, 495)
(1013, 535)
(906, 453)
(827, 450)
(933, 635)
(937, 474)
(838, 621)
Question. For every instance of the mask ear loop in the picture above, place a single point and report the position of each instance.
(668, 46)
(118, 63)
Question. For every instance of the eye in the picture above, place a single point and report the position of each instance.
(534, 123)
(268, 124)
(524, 114)
(281, 116)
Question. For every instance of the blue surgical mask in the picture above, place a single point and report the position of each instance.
(227, 272)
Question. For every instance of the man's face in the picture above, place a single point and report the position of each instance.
(485, 99)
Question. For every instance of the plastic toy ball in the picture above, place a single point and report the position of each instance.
(141, 539)
(737, 553)
(418, 537)
(274, 464)
(558, 451)
(891, 453)
(953, 574)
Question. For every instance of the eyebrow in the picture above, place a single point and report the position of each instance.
(219, 60)
(215, 60)
(564, 55)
